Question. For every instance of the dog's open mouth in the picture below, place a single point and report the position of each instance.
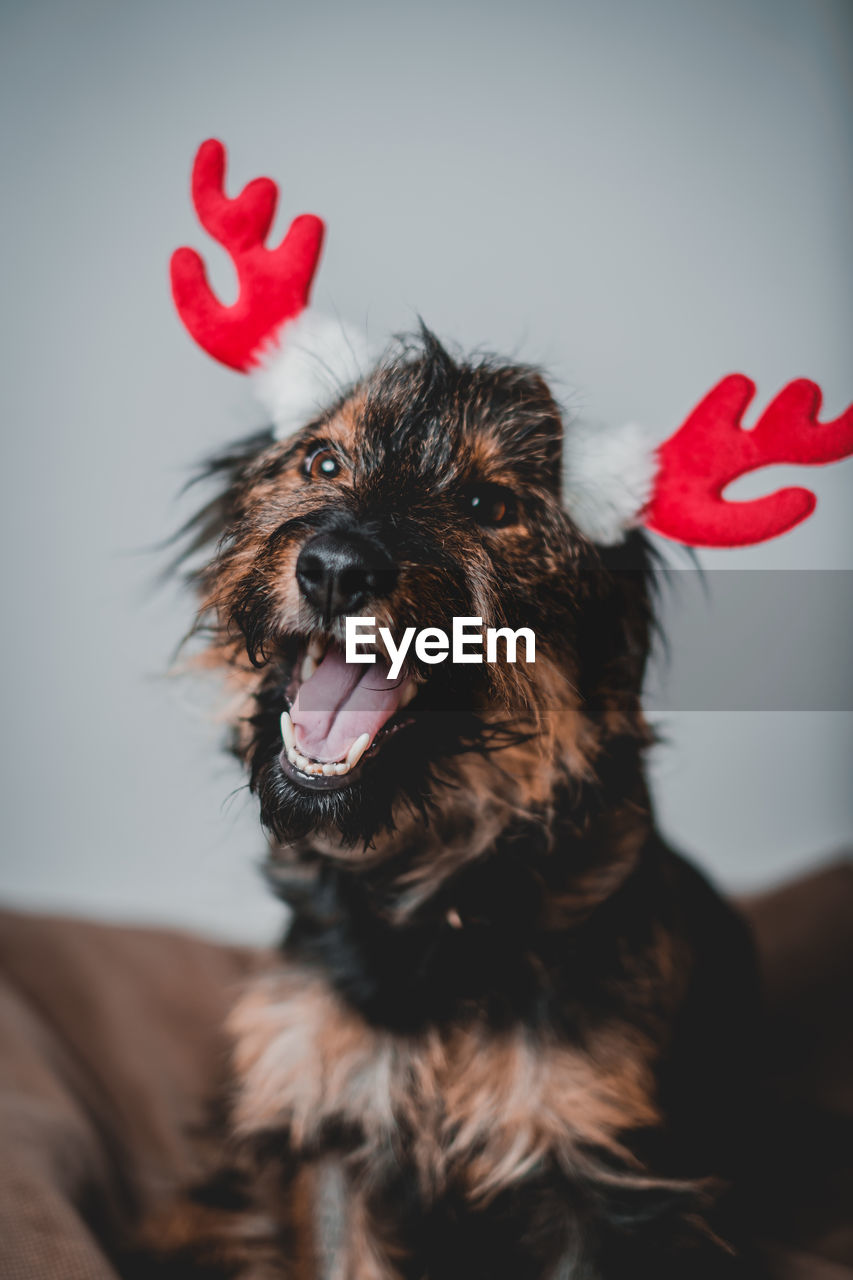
(340, 713)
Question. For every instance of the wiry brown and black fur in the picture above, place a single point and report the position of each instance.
(504, 1009)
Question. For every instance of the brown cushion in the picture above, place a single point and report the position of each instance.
(109, 1045)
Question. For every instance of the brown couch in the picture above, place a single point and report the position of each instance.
(110, 1044)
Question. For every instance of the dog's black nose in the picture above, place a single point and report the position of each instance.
(338, 572)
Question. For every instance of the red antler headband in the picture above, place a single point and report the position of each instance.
(274, 284)
(299, 360)
(711, 449)
(297, 357)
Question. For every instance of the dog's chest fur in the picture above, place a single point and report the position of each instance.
(470, 1106)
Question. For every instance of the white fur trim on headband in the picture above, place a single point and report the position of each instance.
(312, 360)
(608, 477)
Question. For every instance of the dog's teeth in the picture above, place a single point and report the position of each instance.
(357, 750)
(309, 666)
(410, 689)
(317, 767)
(316, 648)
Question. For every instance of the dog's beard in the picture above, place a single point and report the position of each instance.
(407, 782)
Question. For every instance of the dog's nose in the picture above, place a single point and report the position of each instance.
(337, 573)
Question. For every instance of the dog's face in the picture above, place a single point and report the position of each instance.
(431, 491)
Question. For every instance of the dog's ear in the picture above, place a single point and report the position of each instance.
(617, 622)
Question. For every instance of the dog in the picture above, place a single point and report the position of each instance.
(513, 1022)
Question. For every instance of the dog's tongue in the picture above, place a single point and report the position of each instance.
(340, 702)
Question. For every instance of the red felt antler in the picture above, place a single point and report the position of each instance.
(711, 449)
(274, 284)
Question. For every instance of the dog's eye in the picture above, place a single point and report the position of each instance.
(492, 506)
(321, 462)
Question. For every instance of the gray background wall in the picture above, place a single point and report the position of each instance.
(641, 196)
